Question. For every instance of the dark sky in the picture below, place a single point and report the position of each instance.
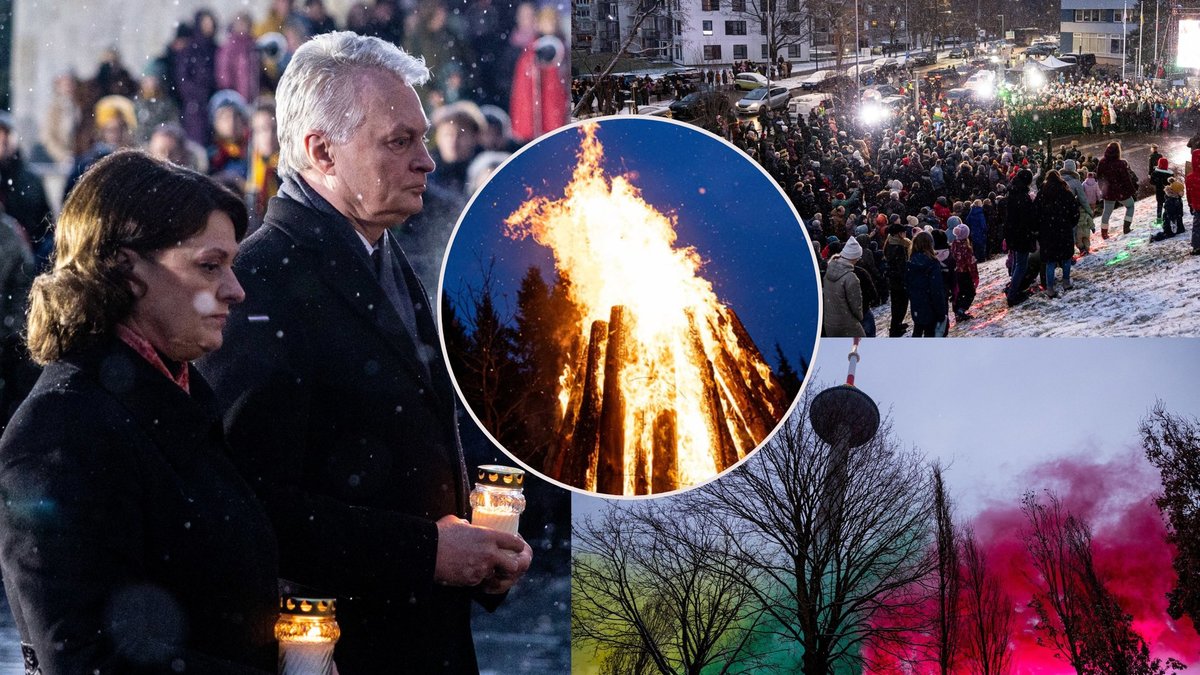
(755, 250)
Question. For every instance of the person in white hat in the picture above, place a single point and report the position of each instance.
(842, 294)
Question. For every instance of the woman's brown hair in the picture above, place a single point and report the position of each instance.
(127, 201)
(923, 243)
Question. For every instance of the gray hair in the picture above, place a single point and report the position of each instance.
(318, 91)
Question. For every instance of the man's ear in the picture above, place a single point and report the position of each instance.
(320, 154)
(132, 265)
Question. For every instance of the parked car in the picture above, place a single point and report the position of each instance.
(753, 101)
(815, 78)
(749, 81)
(701, 107)
(880, 91)
(924, 59)
(958, 52)
(1041, 49)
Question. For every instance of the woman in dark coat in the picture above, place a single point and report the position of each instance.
(128, 541)
(926, 293)
(1117, 184)
(1020, 233)
(1058, 214)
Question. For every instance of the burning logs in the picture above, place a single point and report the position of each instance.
(638, 422)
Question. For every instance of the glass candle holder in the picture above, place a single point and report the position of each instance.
(498, 498)
(306, 630)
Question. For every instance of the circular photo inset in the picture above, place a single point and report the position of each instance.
(629, 306)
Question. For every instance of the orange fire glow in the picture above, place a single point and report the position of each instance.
(693, 394)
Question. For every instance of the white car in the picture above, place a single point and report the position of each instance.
(753, 101)
(749, 81)
(815, 79)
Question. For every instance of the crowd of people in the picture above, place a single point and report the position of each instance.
(166, 497)
(1090, 104)
(207, 100)
(943, 187)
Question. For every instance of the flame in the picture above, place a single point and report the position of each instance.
(619, 251)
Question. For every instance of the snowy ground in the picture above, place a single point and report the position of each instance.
(1127, 287)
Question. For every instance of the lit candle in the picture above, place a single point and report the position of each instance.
(307, 632)
(497, 500)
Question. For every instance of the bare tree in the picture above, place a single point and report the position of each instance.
(1081, 618)
(948, 577)
(655, 590)
(784, 22)
(835, 541)
(1172, 445)
(987, 613)
(1059, 605)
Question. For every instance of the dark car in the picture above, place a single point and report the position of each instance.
(924, 58)
(702, 108)
(1041, 50)
(959, 52)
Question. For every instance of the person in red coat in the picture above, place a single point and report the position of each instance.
(539, 88)
(1192, 183)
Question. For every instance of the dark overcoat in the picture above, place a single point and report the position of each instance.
(128, 540)
(347, 431)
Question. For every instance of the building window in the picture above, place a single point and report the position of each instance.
(793, 6)
(794, 52)
(764, 51)
(738, 5)
(735, 27)
(710, 5)
(678, 53)
(706, 27)
(1086, 15)
(739, 53)
(678, 27)
(712, 52)
(1114, 45)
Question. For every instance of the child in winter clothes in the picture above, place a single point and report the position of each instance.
(966, 272)
(1173, 219)
(1159, 178)
(1092, 188)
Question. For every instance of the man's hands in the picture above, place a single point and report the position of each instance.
(470, 556)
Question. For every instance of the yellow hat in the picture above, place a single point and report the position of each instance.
(110, 108)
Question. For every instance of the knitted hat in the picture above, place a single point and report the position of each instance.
(861, 229)
(961, 232)
(953, 222)
(1163, 163)
(913, 222)
(940, 241)
(852, 250)
(1069, 165)
(1175, 187)
(881, 220)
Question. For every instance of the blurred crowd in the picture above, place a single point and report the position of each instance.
(206, 100)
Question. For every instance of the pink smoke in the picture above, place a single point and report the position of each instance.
(1116, 497)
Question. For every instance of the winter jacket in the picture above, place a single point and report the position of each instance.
(926, 292)
(843, 300)
(1021, 224)
(978, 224)
(1159, 179)
(1113, 176)
(895, 253)
(1092, 189)
(1078, 190)
(964, 260)
(1192, 182)
(1058, 214)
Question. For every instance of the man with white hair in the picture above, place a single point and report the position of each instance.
(338, 406)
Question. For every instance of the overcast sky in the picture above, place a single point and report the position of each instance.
(994, 408)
